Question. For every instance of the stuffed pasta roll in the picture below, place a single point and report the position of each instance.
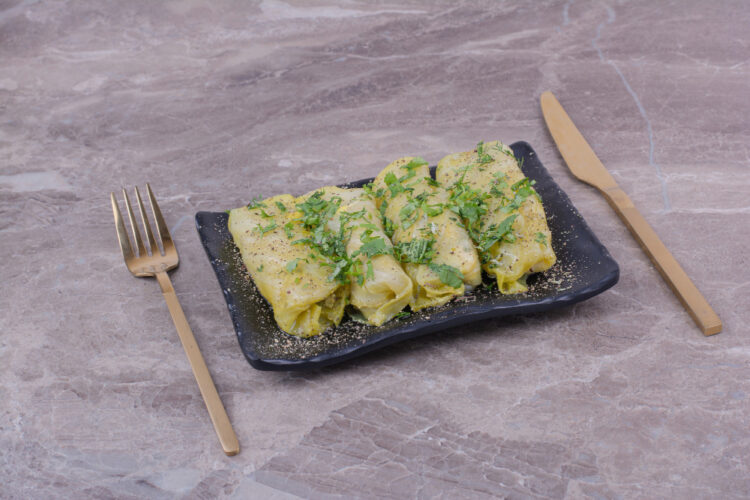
(436, 251)
(292, 276)
(380, 288)
(502, 212)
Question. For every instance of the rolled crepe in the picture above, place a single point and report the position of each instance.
(382, 289)
(511, 204)
(293, 278)
(437, 252)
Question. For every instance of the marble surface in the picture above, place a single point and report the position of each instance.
(216, 102)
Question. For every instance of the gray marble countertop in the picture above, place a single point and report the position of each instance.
(215, 103)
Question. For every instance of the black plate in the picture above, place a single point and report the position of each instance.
(584, 269)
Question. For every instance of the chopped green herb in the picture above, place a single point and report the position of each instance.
(388, 227)
(370, 271)
(496, 233)
(413, 164)
(402, 314)
(383, 207)
(432, 182)
(260, 268)
(505, 150)
(482, 157)
(339, 271)
(523, 182)
(394, 184)
(432, 210)
(522, 189)
(349, 216)
(292, 265)
(448, 274)
(369, 226)
(281, 206)
(541, 238)
(406, 212)
(288, 227)
(416, 251)
(256, 203)
(316, 211)
(470, 204)
(373, 247)
(264, 230)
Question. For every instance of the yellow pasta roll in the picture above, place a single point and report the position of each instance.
(502, 212)
(380, 288)
(292, 276)
(436, 250)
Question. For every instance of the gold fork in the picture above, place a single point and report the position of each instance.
(156, 264)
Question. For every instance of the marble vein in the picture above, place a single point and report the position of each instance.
(611, 17)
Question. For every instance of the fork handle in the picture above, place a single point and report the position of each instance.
(702, 313)
(211, 397)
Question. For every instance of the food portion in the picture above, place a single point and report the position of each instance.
(405, 239)
(501, 211)
(436, 251)
(290, 274)
(380, 289)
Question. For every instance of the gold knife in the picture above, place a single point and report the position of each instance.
(585, 165)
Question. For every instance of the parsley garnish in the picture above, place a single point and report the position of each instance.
(383, 207)
(448, 274)
(288, 230)
(541, 238)
(416, 251)
(373, 247)
(394, 184)
(470, 204)
(370, 271)
(432, 210)
(388, 227)
(256, 203)
(522, 189)
(339, 271)
(406, 212)
(292, 265)
(281, 206)
(264, 230)
(413, 164)
(482, 157)
(496, 233)
(349, 216)
(316, 211)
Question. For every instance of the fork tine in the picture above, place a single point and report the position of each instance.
(122, 232)
(149, 235)
(134, 226)
(161, 227)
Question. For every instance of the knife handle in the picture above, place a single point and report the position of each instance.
(667, 265)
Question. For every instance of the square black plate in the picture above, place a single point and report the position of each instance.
(584, 269)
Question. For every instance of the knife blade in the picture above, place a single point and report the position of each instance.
(586, 166)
